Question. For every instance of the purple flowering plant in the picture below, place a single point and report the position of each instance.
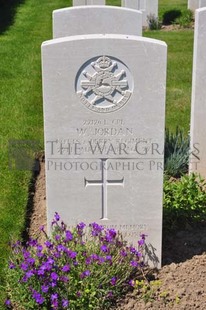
(87, 267)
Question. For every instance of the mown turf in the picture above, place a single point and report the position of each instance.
(179, 76)
(21, 114)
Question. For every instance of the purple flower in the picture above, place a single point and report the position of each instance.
(38, 297)
(96, 229)
(12, 266)
(66, 268)
(32, 242)
(24, 266)
(65, 303)
(69, 235)
(56, 216)
(113, 281)
(8, 303)
(57, 237)
(64, 279)
(88, 261)
(29, 274)
(54, 296)
(81, 226)
(26, 254)
(48, 244)
(30, 260)
(54, 276)
(108, 257)
(104, 249)
(94, 257)
(101, 260)
(132, 283)
(141, 242)
(85, 274)
(44, 288)
(40, 272)
(60, 248)
(78, 294)
(53, 284)
(123, 253)
(132, 250)
(72, 254)
(112, 233)
(134, 263)
(54, 300)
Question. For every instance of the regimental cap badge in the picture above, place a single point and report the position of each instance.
(104, 84)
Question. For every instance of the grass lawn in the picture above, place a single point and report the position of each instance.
(21, 99)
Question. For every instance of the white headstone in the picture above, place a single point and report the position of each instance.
(202, 3)
(104, 113)
(79, 2)
(152, 7)
(95, 2)
(147, 7)
(88, 2)
(193, 4)
(96, 19)
(198, 109)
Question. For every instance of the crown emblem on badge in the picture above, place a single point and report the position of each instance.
(103, 62)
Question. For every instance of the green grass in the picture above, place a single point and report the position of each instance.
(179, 76)
(21, 109)
(167, 5)
(21, 100)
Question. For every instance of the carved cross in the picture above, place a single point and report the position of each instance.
(104, 182)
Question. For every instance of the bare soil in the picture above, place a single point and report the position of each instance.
(182, 277)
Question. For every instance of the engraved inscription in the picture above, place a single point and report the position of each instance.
(104, 84)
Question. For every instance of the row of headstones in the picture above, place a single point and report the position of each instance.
(198, 106)
(147, 7)
(196, 4)
(104, 118)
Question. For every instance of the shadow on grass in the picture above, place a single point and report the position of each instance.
(7, 13)
(30, 202)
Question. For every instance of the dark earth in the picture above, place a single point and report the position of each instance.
(182, 277)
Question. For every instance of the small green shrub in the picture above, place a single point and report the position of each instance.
(184, 202)
(169, 17)
(86, 268)
(177, 149)
(153, 22)
(185, 20)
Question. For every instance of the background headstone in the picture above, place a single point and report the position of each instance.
(79, 2)
(88, 2)
(104, 113)
(202, 3)
(198, 109)
(147, 7)
(193, 4)
(137, 5)
(94, 19)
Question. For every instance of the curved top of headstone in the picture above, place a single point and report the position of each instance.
(96, 19)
